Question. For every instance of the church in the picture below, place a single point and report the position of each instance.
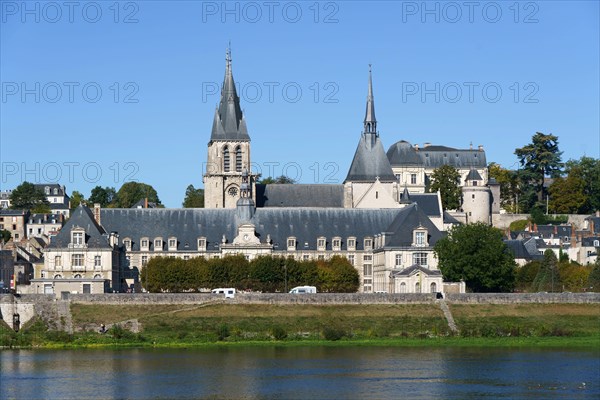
(380, 218)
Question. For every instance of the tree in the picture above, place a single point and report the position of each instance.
(526, 275)
(476, 254)
(279, 180)
(132, 192)
(589, 171)
(593, 282)
(27, 197)
(76, 199)
(548, 277)
(567, 195)
(338, 275)
(103, 196)
(509, 186)
(539, 159)
(5, 235)
(194, 198)
(446, 180)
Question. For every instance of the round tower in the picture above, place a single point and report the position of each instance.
(476, 199)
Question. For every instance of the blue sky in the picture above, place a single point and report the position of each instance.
(100, 93)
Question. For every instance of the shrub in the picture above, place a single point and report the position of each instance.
(223, 332)
(278, 333)
(332, 333)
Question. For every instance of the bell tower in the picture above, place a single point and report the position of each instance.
(228, 148)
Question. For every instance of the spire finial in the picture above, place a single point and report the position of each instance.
(370, 121)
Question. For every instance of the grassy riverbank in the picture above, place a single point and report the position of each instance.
(541, 325)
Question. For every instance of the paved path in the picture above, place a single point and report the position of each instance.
(448, 315)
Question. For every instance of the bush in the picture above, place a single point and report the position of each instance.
(518, 225)
(278, 333)
(332, 333)
(223, 332)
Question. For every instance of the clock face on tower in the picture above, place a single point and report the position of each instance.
(233, 191)
(246, 237)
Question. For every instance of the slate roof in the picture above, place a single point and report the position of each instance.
(449, 219)
(95, 235)
(229, 122)
(414, 268)
(44, 218)
(474, 176)
(299, 195)
(405, 222)
(596, 221)
(519, 249)
(403, 153)
(428, 202)
(589, 241)
(370, 161)
(306, 224)
(60, 189)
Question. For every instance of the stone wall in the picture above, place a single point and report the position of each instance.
(519, 298)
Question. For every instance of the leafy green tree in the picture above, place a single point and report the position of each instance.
(194, 198)
(279, 180)
(548, 277)
(446, 180)
(103, 196)
(338, 275)
(567, 195)
(539, 159)
(76, 199)
(476, 254)
(132, 192)
(5, 235)
(589, 171)
(27, 197)
(593, 283)
(573, 276)
(267, 273)
(509, 186)
(526, 275)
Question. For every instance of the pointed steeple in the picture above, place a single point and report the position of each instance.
(370, 120)
(405, 198)
(370, 162)
(229, 122)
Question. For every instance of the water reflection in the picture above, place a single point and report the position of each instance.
(299, 373)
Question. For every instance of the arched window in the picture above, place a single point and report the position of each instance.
(417, 287)
(58, 276)
(433, 287)
(403, 287)
(226, 159)
(238, 159)
(98, 276)
(77, 276)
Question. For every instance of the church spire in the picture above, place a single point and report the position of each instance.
(229, 122)
(370, 120)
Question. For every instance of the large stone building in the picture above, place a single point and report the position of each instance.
(383, 225)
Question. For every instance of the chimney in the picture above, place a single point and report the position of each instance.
(426, 144)
(146, 202)
(535, 227)
(417, 147)
(592, 227)
(97, 213)
(598, 213)
(555, 229)
(573, 237)
(529, 226)
(480, 147)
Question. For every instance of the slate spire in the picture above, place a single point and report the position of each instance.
(229, 122)
(370, 120)
(370, 161)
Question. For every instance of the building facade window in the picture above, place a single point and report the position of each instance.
(172, 244)
(57, 261)
(402, 287)
(97, 261)
(144, 260)
(77, 238)
(238, 159)
(413, 179)
(291, 244)
(77, 260)
(321, 243)
(420, 259)
(144, 244)
(158, 244)
(350, 258)
(368, 243)
(398, 260)
(433, 287)
(367, 269)
(226, 161)
(127, 244)
(420, 238)
(336, 243)
(202, 244)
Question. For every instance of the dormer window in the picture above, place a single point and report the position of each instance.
(368, 243)
(321, 243)
(420, 237)
(172, 243)
(47, 190)
(78, 237)
(351, 243)
(201, 243)
(336, 243)
(158, 244)
(144, 244)
(291, 243)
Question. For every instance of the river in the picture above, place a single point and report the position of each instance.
(301, 373)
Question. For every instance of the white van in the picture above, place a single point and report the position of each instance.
(304, 289)
(228, 292)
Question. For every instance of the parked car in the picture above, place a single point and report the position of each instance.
(228, 292)
(304, 289)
